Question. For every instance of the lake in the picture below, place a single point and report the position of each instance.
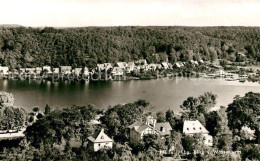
(163, 93)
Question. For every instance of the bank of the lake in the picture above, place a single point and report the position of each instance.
(162, 93)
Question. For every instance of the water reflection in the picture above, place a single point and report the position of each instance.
(161, 93)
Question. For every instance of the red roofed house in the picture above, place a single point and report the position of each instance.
(100, 140)
(195, 127)
(139, 129)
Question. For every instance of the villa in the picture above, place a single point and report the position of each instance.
(100, 140)
(195, 127)
(139, 129)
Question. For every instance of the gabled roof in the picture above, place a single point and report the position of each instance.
(166, 126)
(165, 64)
(122, 65)
(131, 64)
(139, 127)
(65, 67)
(137, 123)
(100, 137)
(117, 69)
(194, 127)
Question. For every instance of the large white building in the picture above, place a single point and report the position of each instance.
(100, 140)
(195, 127)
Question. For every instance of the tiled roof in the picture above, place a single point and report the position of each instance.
(194, 127)
(166, 128)
(99, 137)
(139, 127)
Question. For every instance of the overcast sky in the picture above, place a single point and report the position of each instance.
(75, 13)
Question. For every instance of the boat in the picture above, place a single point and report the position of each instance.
(242, 80)
(230, 79)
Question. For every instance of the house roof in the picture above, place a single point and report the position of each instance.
(167, 128)
(139, 127)
(65, 67)
(165, 64)
(100, 137)
(194, 127)
(122, 64)
(131, 64)
(117, 69)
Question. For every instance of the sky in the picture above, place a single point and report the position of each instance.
(80, 13)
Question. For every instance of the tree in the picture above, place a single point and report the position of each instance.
(188, 143)
(251, 152)
(36, 109)
(160, 117)
(213, 123)
(6, 99)
(61, 125)
(245, 111)
(47, 109)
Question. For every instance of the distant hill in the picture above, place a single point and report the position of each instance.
(9, 25)
(30, 47)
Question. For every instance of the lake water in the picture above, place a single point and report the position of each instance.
(163, 94)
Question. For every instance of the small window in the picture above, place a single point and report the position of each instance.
(188, 129)
(194, 128)
(102, 137)
(162, 129)
(99, 144)
(200, 128)
(209, 141)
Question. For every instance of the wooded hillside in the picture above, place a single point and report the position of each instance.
(31, 47)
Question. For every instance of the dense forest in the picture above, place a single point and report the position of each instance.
(31, 47)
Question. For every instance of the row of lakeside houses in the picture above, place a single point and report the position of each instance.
(118, 69)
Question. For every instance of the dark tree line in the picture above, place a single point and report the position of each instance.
(31, 47)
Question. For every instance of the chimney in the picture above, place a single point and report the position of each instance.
(154, 123)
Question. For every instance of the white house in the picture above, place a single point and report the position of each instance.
(22, 70)
(194, 62)
(130, 67)
(100, 140)
(77, 71)
(158, 66)
(38, 70)
(56, 70)
(30, 70)
(195, 127)
(139, 129)
(117, 71)
(47, 69)
(105, 66)
(141, 62)
(4, 70)
(165, 65)
(152, 67)
(86, 71)
(178, 64)
(65, 69)
(122, 65)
